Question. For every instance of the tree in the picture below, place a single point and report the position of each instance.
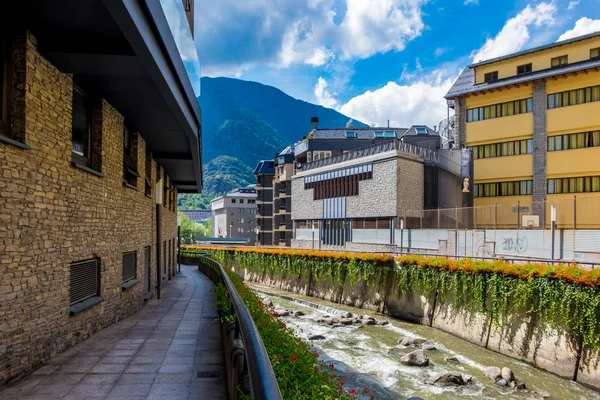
(191, 230)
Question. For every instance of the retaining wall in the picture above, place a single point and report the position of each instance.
(520, 337)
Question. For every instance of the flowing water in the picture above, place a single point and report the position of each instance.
(369, 357)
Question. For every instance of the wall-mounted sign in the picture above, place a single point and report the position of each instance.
(465, 163)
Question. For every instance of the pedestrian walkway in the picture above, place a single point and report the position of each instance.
(170, 349)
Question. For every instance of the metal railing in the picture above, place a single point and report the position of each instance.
(426, 154)
(263, 384)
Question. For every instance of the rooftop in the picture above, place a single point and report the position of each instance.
(536, 49)
(465, 84)
(265, 167)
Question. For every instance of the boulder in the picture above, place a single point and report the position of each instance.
(411, 341)
(415, 359)
(346, 321)
(299, 314)
(452, 359)
(429, 347)
(357, 321)
(348, 315)
(316, 337)
(454, 378)
(280, 312)
(507, 374)
(492, 373)
(370, 322)
(520, 386)
(367, 317)
(382, 323)
(502, 382)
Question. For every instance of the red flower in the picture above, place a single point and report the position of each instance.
(366, 390)
(332, 366)
(294, 357)
(353, 392)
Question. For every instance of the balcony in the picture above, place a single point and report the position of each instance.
(140, 57)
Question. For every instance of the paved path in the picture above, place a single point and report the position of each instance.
(164, 351)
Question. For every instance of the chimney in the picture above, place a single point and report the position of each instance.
(314, 121)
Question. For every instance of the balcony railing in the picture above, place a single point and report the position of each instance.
(426, 154)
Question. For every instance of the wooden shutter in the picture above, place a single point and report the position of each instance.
(83, 280)
(129, 262)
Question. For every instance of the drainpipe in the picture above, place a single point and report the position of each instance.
(159, 200)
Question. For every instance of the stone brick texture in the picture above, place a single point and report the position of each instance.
(52, 214)
(540, 142)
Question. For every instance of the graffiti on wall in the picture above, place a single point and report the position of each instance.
(518, 244)
(484, 249)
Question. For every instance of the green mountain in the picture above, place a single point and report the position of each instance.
(244, 122)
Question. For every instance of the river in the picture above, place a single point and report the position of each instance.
(369, 357)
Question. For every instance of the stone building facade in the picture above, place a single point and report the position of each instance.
(55, 212)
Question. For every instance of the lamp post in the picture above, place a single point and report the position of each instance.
(401, 234)
(553, 226)
(313, 234)
(179, 243)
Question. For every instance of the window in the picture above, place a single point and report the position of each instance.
(129, 263)
(574, 141)
(148, 185)
(523, 69)
(4, 86)
(390, 134)
(233, 201)
(379, 134)
(350, 134)
(83, 280)
(422, 131)
(82, 128)
(251, 201)
(130, 173)
(574, 97)
(514, 188)
(581, 184)
(557, 61)
(491, 76)
(595, 53)
(241, 201)
(500, 110)
(513, 148)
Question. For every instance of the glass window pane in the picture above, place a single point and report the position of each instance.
(595, 183)
(551, 188)
(529, 105)
(530, 146)
(81, 123)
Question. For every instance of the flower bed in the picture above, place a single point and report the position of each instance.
(299, 371)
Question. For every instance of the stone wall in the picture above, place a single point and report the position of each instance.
(53, 214)
(377, 197)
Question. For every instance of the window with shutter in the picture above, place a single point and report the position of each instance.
(83, 280)
(130, 173)
(129, 263)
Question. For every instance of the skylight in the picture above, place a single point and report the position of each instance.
(390, 134)
(350, 134)
(422, 131)
(379, 134)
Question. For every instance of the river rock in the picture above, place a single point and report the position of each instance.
(316, 337)
(429, 347)
(357, 321)
(454, 378)
(280, 312)
(337, 325)
(492, 373)
(370, 322)
(416, 358)
(348, 315)
(382, 323)
(299, 314)
(416, 398)
(452, 359)
(346, 321)
(411, 341)
(368, 317)
(502, 382)
(320, 321)
(520, 386)
(507, 374)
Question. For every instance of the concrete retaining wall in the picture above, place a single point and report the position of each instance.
(520, 337)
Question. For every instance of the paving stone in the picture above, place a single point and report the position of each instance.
(131, 389)
(108, 368)
(136, 378)
(97, 379)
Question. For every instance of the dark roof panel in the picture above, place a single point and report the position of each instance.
(265, 167)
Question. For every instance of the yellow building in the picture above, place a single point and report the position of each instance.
(532, 119)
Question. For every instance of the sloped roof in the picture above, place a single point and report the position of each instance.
(361, 133)
(265, 167)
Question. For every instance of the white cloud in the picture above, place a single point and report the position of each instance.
(515, 32)
(323, 95)
(420, 102)
(582, 27)
(441, 50)
(234, 36)
(467, 2)
(572, 5)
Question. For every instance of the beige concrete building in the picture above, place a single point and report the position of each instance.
(234, 215)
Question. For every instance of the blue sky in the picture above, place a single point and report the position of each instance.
(375, 60)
